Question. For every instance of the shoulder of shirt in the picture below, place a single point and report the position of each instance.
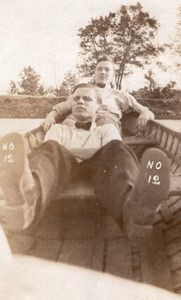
(120, 94)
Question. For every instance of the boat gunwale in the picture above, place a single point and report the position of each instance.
(175, 133)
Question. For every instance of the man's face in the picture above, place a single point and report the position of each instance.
(104, 72)
(84, 106)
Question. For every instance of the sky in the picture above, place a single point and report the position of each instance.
(43, 34)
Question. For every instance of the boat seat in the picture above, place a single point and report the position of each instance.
(139, 140)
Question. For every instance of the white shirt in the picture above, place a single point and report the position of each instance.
(117, 102)
(71, 137)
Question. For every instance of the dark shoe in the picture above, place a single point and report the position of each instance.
(17, 186)
(151, 188)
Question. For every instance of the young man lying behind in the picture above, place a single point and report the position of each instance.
(113, 102)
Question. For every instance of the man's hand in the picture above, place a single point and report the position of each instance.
(48, 122)
(143, 119)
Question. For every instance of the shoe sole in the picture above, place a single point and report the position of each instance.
(12, 166)
(15, 212)
(152, 184)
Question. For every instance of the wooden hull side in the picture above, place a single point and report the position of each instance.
(169, 141)
(166, 139)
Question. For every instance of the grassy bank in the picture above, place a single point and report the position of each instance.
(38, 107)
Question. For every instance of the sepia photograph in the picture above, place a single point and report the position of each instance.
(90, 149)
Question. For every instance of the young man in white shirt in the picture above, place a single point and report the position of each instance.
(98, 155)
(113, 102)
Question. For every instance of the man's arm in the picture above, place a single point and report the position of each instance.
(58, 110)
(143, 118)
(129, 102)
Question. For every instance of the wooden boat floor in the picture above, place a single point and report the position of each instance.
(78, 232)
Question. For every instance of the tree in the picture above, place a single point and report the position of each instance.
(127, 35)
(69, 82)
(29, 83)
(153, 90)
(168, 91)
(13, 88)
(152, 85)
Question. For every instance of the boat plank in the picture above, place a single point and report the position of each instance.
(119, 258)
(20, 244)
(80, 220)
(83, 227)
(51, 227)
(98, 255)
(155, 268)
(46, 249)
(84, 253)
(107, 228)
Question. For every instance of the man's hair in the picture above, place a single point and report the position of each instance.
(104, 57)
(88, 86)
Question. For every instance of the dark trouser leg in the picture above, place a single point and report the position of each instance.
(115, 169)
(52, 166)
